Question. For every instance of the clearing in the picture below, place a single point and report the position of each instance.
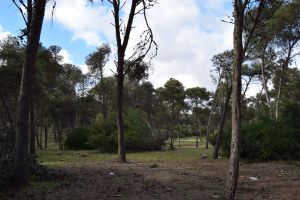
(179, 174)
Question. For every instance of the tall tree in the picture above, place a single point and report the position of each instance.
(35, 13)
(197, 96)
(122, 33)
(223, 63)
(96, 62)
(173, 93)
(239, 50)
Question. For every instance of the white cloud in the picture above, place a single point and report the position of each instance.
(188, 33)
(3, 34)
(87, 22)
(66, 56)
(84, 68)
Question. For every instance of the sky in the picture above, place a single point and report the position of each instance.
(188, 34)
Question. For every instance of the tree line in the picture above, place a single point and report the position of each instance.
(59, 97)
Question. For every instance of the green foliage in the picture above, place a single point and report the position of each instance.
(268, 139)
(138, 133)
(78, 139)
(104, 134)
(212, 138)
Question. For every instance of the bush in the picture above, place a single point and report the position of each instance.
(138, 133)
(212, 138)
(104, 134)
(78, 139)
(268, 139)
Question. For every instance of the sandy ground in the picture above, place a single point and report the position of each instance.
(201, 179)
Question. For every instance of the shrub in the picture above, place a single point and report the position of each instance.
(268, 139)
(104, 134)
(212, 138)
(78, 139)
(138, 133)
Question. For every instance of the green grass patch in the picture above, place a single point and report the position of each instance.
(56, 157)
(53, 157)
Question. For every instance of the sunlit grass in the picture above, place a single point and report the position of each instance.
(54, 157)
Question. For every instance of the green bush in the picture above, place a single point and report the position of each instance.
(138, 133)
(103, 134)
(212, 138)
(78, 139)
(267, 139)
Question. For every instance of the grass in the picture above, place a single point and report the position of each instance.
(53, 157)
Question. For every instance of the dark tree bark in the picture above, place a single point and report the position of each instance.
(38, 145)
(32, 131)
(221, 123)
(20, 175)
(122, 33)
(41, 137)
(120, 70)
(46, 136)
(8, 112)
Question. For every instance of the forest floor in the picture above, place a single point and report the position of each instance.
(179, 174)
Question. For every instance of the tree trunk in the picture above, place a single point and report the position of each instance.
(54, 132)
(41, 137)
(20, 175)
(221, 123)
(211, 114)
(46, 137)
(197, 134)
(233, 175)
(9, 116)
(37, 138)
(120, 122)
(264, 82)
(172, 128)
(284, 69)
(32, 131)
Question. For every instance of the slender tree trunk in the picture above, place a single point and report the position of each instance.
(197, 134)
(120, 122)
(172, 128)
(221, 123)
(233, 175)
(41, 137)
(54, 132)
(197, 139)
(32, 131)
(122, 45)
(8, 112)
(264, 82)
(284, 69)
(37, 138)
(20, 175)
(46, 136)
(211, 114)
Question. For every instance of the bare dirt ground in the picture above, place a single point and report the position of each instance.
(202, 179)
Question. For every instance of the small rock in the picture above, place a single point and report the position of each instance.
(252, 178)
(203, 156)
(215, 196)
(111, 173)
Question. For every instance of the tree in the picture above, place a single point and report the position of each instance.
(142, 49)
(173, 94)
(223, 63)
(96, 62)
(286, 30)
(197, 96)
(35, 16)
(238, 55)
